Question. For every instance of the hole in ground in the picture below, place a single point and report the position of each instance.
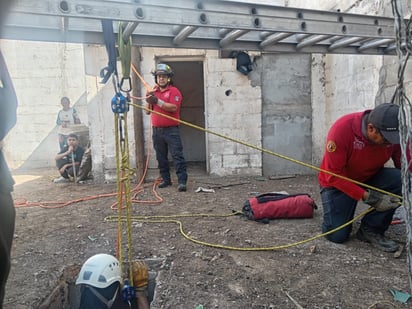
(66, 294)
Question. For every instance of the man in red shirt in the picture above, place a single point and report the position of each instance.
(358, 146)
(166, 99)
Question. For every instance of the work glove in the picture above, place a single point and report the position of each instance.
(151, 98)
(382, 202)
(140, 275)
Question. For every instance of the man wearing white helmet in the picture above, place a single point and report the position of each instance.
(101, 279)
(166, 99)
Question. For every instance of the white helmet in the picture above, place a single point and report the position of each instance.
(100, 271)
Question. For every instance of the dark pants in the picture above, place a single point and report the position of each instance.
(68, 171)
(62, 141)
(7, 217)
(165, 140)
(339, 208)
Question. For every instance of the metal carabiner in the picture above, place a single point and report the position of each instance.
(130, 84)
(115, 80)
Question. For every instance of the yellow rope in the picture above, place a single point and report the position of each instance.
(266, 151)
(167, 219)
(147, 219)
(127, 191)
(119, 190)
(124, 197)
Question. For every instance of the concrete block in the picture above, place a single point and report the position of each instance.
(235, 161)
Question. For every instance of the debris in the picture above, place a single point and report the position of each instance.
(312, 249)
(253, 193)
(398, 252)
(201, 189)
(280, 192)
(400, 296)
(294, 301)
(92, 238)
(220, 186)
(281, 177)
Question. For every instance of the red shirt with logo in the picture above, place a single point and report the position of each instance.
(170, 95)
(349, 153)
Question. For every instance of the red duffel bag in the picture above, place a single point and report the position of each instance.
(279, 205)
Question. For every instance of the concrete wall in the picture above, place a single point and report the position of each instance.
(237, 115)
(42, 73)
(102, 119)
(347, 83)
(286, 113)
(341, 84)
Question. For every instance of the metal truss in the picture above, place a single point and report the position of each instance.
(208, 24)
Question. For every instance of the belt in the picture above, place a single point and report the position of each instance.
(164, 128)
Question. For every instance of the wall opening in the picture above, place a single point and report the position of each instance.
(189, 78)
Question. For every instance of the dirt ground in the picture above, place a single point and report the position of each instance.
(189, 274)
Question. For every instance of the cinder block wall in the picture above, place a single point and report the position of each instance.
(347, 83)
(237, 115)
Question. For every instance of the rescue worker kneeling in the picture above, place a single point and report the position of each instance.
(101, 284)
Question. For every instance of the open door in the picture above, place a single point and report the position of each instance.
(188, 77)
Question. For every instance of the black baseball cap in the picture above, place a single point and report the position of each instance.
(385, 118)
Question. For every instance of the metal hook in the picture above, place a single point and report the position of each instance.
(129, 84)
(115, 80)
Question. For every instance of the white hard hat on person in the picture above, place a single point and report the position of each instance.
(100, 271)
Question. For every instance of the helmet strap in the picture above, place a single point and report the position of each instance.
(105, 301)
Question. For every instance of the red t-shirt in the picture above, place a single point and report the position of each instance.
(170, 95)
(350, 154)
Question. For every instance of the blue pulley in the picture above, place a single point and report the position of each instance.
(119, 104)
(128, 292)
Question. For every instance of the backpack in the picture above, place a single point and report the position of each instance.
(279, 206)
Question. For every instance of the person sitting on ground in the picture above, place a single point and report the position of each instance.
(358, 146)
(100, 278)
(66, 117)
(68, 160)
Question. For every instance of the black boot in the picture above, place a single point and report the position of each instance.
(377, 240)
(164, 184)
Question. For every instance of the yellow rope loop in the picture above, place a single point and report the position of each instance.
(172, 219)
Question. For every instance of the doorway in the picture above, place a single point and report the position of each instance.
(188, 77)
